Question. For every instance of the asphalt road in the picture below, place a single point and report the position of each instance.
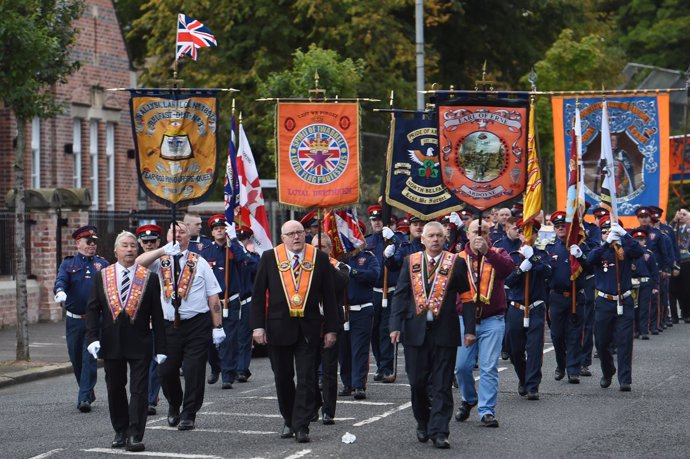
(39, 419)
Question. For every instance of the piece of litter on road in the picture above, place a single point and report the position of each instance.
(349, 438)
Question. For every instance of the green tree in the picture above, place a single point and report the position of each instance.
(37, 35)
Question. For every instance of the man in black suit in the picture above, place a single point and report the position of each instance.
(424, 309)
(297, 279)
(124, 301)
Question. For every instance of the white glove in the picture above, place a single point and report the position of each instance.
(218, 336)
(575, 251)
(387, 233)
(230, 231)
(455, 219)
(172, 248)
(389, 251)
(60, 297)
(612, 237)
(527, 251)
(160, 358)
(93, 348)
(619, 230)
(525, 266)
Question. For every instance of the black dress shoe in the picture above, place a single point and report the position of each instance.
(625, 388)
(644, 337)
(226, 385)
(242, 377)
(119, 441)
(584, 371)
(464, 411)
(605, 382)
(345, 391)
(186, 424)
(388, 378)
(133, 444)
(360, 394)
(327, 419)
(151, 411)
(441, 442)
(489, 420)
(574, 379)
(533, 396)
(558, 374)
(213, 378)
(521, 390)
(84, 406)
(422, 435)
(173, 417)
(302, 436)
(504, 355)
(378, 376)
(287, 432)
(654, 332)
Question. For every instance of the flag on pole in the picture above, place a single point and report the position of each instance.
(191, 34)
(341, 226)
(576, 195)
(606, 165)
(533, 193)
(232, 183)
(253, 211)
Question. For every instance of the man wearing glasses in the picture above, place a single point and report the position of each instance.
(72, 289)
(289, 320)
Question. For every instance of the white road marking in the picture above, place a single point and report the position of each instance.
(48, 453)
(150, 453)
(383, 415)
(219, 413)
(299, 454)
(360, 402)
(249, 391)
(246, 432)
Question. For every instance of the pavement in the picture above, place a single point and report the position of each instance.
(47, 352)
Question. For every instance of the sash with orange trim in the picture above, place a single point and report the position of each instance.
(296, 288)
(486, 283)
(184, 284)
(432, 299)
(134, 297)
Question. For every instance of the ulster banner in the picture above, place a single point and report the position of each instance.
(483, 147)
(176, 139)
(414, 182)
(318, 154)
(680, 159)
(639, 138)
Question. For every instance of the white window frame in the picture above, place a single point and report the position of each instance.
(36, 153)
(93, 154)
(110, 156)
(76, 151)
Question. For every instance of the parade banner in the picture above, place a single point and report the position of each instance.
(318, 154)
(639, 139)
(483, 144)
(176, 140)
(680, 159)
(414, 183)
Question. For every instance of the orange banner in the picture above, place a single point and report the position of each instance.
(680, 159)
(318, 154)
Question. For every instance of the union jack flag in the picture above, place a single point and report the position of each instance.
(192, 34)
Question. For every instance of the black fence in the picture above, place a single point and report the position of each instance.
(7, 251)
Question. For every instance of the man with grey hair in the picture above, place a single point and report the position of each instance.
(290, 322)
(124, 301)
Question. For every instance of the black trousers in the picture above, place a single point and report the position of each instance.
(430, 367)
(296, 403)
(187, 348)
(328, 358)
(128, 417)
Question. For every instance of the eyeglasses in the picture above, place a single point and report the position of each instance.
(91, 241)
(152, 241)
(294, 233)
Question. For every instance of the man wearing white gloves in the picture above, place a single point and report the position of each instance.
(124, 300)
(199, 312)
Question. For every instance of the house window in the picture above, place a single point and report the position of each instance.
(110, 156)
(93, 153)
(36, 153)
(76, 150)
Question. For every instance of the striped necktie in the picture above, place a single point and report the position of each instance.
(124, 287)
(295, 266)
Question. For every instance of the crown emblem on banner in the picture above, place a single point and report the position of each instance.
(318, 144)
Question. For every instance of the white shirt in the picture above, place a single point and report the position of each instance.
(429, 314)
(120, 272)
(291, 256)
(203, 286)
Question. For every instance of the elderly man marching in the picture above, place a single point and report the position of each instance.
(612, 263)
(424, 309)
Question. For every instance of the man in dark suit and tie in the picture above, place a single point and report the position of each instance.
(124, 301)
(424, 309)
(297, 278)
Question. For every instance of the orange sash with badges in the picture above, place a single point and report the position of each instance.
(438, 280)
(486, 284)
(296, 287)
(134, 297)
(185, 281)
